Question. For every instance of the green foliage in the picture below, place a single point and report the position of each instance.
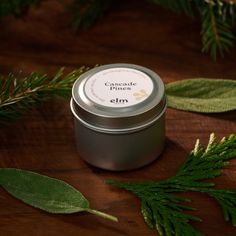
(48, 194)
(164, 211)
(19, 95)
(202, 95)
(218, 17)
(185, 6)
(217, 35)
(86, 12)
(15, 7)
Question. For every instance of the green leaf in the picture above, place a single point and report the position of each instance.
(48, 194)
(202, 95)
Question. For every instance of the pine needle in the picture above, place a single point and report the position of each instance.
(15, 7)
(218, 17)
(185, 6)
(164, 211)
(217, 36)
(19, 95)
(85, 13)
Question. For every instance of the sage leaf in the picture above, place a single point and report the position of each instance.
(202, 95)
(48, 194)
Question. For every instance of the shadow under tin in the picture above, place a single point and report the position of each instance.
(119, 112)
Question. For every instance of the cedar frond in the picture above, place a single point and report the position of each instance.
(163, 210)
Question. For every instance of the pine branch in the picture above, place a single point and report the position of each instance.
(85, 13)
(217, 36)
(185, 6)
(218, 18)
(15, 7)
(18, 95)
(164, 211)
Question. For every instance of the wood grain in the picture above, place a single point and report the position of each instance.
(43, 140)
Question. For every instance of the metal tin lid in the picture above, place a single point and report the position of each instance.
(118, 96)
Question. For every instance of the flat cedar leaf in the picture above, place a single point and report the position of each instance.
(48, 194)
(165, 211)
(202, 95)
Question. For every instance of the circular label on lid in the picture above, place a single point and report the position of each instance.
(118, 87)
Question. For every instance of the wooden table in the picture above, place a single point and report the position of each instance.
(43, 140)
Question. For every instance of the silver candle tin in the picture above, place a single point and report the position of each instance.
(119, 116)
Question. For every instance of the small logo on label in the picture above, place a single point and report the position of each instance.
(119, 101)
(141, 94)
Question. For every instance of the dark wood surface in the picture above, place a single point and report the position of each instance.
(43, 140)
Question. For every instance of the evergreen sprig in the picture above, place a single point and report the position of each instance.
(218, 17)
(163, 210)
(217, 35)
(15, 7)
(185, 6)
(19, 95)
(85, 13)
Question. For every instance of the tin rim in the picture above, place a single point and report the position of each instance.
(122, 118)
(115, 130)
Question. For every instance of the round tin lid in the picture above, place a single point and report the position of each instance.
(118, 96)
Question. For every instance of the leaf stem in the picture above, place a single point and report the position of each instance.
(102, 214)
